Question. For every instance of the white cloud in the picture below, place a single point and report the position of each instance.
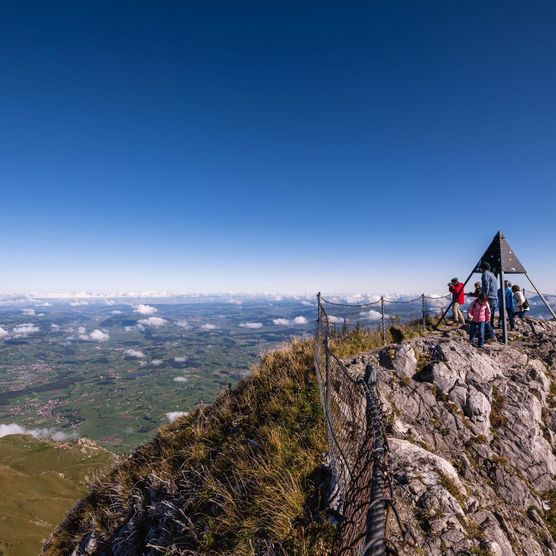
(235, 302)
(183, 324)
(180, 359)
(300, 320)
(134, 354)
(281, 322)
(208, 327)
(181, 379)
(308, 303)
(29, 312)
(3, 333)
(334, 320)
(95, 336)
(253, 325)
(45, 304)
(438, 301)
(156, 362)
(371, 315)
(79, 303)
(99, 336)
(24, 330)
(54, 327)
(13, 428)
(115, 312)
(154, 322)
(173, 415)
(145, 309)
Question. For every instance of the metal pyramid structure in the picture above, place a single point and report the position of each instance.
(502, 260)
(501, 257)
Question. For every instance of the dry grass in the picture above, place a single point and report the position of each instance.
(238, 477)
(351, 342)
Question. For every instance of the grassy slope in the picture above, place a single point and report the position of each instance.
(39, 481)
(240, 475)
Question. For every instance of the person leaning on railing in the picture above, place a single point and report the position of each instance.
(476, 292)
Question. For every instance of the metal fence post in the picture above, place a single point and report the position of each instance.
(383, 325)
(424, 309)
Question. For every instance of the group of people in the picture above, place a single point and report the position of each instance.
(487, 298)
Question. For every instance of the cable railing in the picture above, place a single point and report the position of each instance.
(384, 313)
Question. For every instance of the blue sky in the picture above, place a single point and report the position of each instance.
(287, 146)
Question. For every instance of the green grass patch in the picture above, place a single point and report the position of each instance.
(241, 473)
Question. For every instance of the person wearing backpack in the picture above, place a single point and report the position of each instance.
(479, 315)
(521, 305)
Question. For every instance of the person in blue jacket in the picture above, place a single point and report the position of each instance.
(490, 288)
(510, 306)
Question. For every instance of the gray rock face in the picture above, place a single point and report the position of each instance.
(399, 358)
(472, 439)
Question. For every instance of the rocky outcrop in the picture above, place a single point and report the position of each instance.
(472, 437)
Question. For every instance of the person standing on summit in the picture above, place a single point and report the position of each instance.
(458, 299)
(490, 288)
(510, 308)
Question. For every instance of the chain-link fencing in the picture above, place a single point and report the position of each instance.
(358, 450)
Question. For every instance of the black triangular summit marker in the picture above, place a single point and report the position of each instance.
(501, 256)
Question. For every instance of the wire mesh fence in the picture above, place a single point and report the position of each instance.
(358, 450)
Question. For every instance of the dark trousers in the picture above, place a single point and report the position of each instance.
(477, 328)
(492, 304)
(490, 324)
(511, 318)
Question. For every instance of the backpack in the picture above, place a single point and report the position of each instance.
(525, 305)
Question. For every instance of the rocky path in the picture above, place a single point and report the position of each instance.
(472, 439)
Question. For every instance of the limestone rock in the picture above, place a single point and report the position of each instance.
(472, 440)
(400, 358)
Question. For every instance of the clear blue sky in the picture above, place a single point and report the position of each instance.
(284, 146)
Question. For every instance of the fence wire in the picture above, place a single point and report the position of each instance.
(358, 450)
(383, 313)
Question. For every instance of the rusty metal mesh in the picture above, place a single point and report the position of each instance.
(358, 450)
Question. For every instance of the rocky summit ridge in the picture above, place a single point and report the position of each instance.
(472, 439)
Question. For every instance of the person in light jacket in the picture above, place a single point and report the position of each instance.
(479, 314)
(521, 305)
(490, 288)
